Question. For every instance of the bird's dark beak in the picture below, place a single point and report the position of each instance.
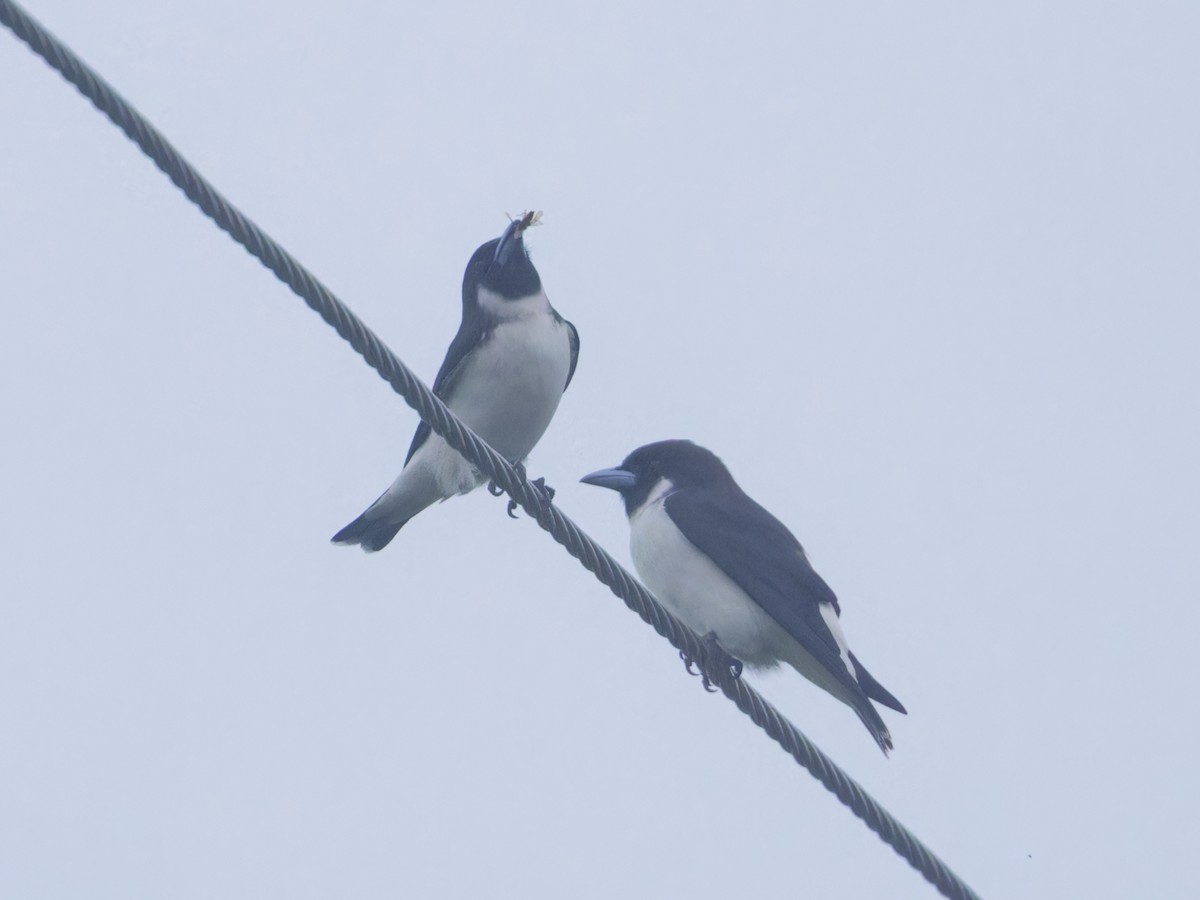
(512, 237)
(508, 242)
(614, 479)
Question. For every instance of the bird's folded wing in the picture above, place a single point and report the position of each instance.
(766, 561)
(468, 338)
(573, 336)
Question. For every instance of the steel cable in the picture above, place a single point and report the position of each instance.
(593, 557)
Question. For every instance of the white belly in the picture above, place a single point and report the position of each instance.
(512, 388)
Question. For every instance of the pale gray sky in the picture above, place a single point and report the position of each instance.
(925, 276)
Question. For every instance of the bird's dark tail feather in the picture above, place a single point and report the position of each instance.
(370, 534)
(870, 717)
(874, 689)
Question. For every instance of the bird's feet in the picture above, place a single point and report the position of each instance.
(540, 483)
(547, 495)
(512, 504)
(495, 490)
(713, 659)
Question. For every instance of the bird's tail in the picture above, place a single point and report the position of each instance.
(413, 490)
(873, 690)
(369, 533)
(871, 718)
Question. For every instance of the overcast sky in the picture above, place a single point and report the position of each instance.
(924, 275)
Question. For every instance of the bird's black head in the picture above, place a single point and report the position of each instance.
(684, 464)
(502, 266)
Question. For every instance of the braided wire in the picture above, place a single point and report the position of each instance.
(592, 556)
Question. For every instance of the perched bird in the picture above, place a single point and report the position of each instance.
(734, 573)
(503, 375)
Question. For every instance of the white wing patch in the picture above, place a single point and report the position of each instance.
(829, 614)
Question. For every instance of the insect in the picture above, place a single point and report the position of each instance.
(527, 219)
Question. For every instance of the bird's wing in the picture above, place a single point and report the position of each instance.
(573, 336)
(468, 339)
(766, 561)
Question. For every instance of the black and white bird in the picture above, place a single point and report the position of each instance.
(734, 573)
(504, 374)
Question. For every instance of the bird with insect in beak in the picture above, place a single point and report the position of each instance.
(736, 575)
(503, 376)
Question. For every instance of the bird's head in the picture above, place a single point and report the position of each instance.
(502, 265)
(682, 463)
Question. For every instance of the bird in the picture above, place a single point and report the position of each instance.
(504, 375)
(736, 575)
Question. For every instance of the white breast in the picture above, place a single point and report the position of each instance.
(510, 386)
(513, 383)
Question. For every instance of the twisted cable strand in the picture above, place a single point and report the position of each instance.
(591, 555)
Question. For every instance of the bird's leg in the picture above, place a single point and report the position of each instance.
(713, 658)
(495, 490)
(547, 491)
(512, 504)
(701, 662)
